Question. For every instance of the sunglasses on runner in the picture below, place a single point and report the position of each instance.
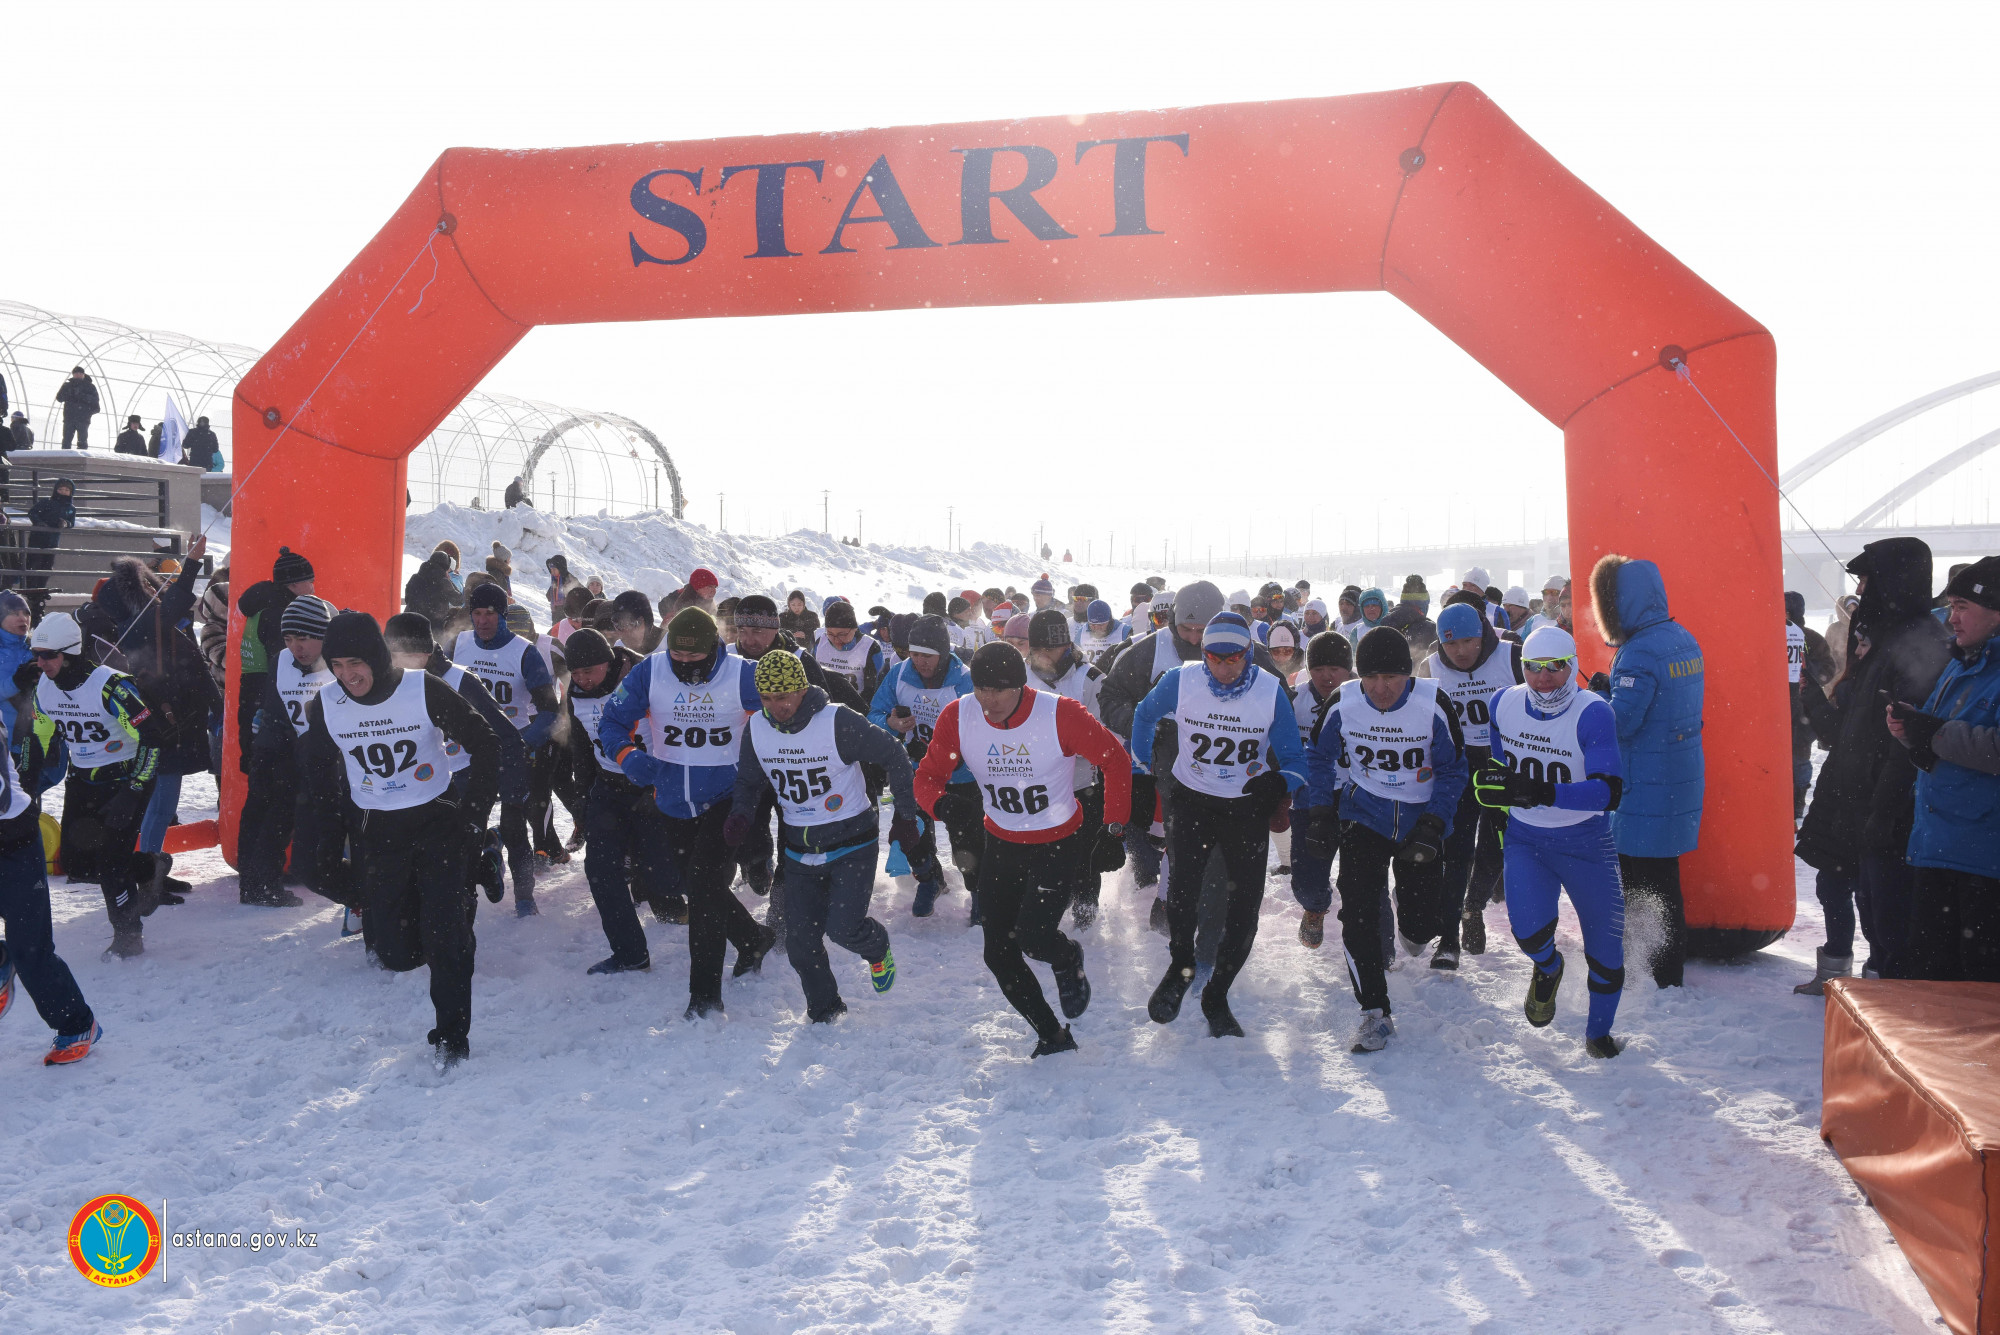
(48, 653)
(1224, 658)
(1546, 664)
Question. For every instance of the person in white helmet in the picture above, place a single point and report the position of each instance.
(1553, 588)
(1555, 770)
(113, 740)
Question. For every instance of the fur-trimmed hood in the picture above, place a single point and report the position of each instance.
(1626, 596)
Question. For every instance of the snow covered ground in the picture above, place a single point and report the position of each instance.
(602, 1165)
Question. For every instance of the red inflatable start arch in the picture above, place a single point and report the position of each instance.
(1431, 194)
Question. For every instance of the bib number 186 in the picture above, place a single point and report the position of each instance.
(1030, 801)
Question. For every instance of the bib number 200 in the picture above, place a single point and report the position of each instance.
(1030, 801)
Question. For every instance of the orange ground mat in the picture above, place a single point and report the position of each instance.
(196, 834)
(1911, 1103)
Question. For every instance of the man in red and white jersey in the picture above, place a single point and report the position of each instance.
(1021, 745)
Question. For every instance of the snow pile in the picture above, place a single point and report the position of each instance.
(602, 1165)
(655, 552)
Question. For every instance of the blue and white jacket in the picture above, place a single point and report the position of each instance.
(681, 791)
(1330, 787)
(902, 683)
(1281, 738)
(1597, 734)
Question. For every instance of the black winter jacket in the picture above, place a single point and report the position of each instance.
(1862, 803)
(79, 401)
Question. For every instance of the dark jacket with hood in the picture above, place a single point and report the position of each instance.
(263, 607)
(1414, 620)
(1656, 692)
(143, 623)
(200, 447)
(803, 622)
(55, 510)
(79, 401)
(582, 748)
(430, 590)
(1862, 803)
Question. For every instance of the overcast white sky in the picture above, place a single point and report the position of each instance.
(1834, 169)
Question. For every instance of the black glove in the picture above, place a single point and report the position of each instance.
(1919, 727)
(1108, 853)
(490, 873)
(26, 676)
(1424, 843)
(1320, 835)
(951, 809)
(1600, 683)
(1497, 787)
(905, 831)
(123, 810)
(1269, 789)
(1144, 794)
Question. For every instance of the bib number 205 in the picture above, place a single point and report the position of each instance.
(695, 737)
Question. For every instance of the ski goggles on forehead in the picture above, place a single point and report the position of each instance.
(1546, 664)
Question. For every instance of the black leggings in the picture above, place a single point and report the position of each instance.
(1199, 826)
(417, 908)
(716, 918)
(1658, 881)
(1023, 890)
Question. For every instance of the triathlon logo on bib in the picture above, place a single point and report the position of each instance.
(694, 698)
(424, 773)
(833, 802)
(1021, 749)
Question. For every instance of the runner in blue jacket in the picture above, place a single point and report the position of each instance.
(1555, 771)
(912, 695)
(675, 725)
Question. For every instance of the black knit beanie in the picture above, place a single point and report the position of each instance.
(1330, 648)
(998, 666)
(356, 635)
(585, 648)
(1048, 629)
(409, 633)
(290, 567)
(1383, 649)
